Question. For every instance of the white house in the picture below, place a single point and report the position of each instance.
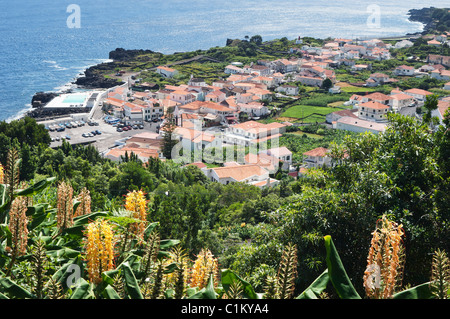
(237, 173)
(440, 74)
(166, 71)
(418, 94)
(401, 100)
(373, 111)
(251, 132)
(133, 113)
(281, 153)
(232, 69)
(254, 109)
(317, 157)
(376, 79)
(288, 89)
(404, 70)
(358, 125)
(181, 96)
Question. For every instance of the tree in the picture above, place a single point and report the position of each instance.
(431, 104)
(168, 141)
(257, 39)
(327, 84)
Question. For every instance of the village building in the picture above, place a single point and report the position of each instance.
(373, 111)
(317, 157)
(166, 71)
(348, 123)
(404, 70)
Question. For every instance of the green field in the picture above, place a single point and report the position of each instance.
(309, 113)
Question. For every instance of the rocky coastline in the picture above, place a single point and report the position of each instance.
(423, 16)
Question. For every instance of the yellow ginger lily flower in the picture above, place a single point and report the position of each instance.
(203, 267)
(99, 246)
(136, 203)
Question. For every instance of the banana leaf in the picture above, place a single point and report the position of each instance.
(35, 188)
(38, 215)
(418, 292)
(14, 290)
(131, 283)
(84, 290)
(207, 292)
(228, 277)
(63, 252)
(316, 288)
(80, 222)
(337, 274)
(149, 229)
(110, 293)
(168, 243)
(108, 276)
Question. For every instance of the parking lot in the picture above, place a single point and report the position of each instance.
(103, 141)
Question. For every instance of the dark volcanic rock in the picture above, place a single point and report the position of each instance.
(424, 16)
(120, 54)
(41, 113)
(96, 82)
(42, 98)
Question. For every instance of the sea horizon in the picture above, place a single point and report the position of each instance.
(47, 54)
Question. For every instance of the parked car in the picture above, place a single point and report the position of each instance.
(68, 137)
(98, 132)
(141, 126)
(119, 129)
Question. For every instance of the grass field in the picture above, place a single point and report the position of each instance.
(310, 114)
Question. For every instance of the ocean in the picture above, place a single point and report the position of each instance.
(46, 44)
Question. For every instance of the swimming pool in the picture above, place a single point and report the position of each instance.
(75, 98)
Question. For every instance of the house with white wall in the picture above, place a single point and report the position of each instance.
(288, 89)
(253, 109)
(237, 173)
(166, 71)
(418, 94)
(401, 100)
(404, 70)
(373, 111)
(317, 157)
(181, 96)
(251, 132)
(348, 123)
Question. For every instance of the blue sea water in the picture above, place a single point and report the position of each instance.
(40, 52)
